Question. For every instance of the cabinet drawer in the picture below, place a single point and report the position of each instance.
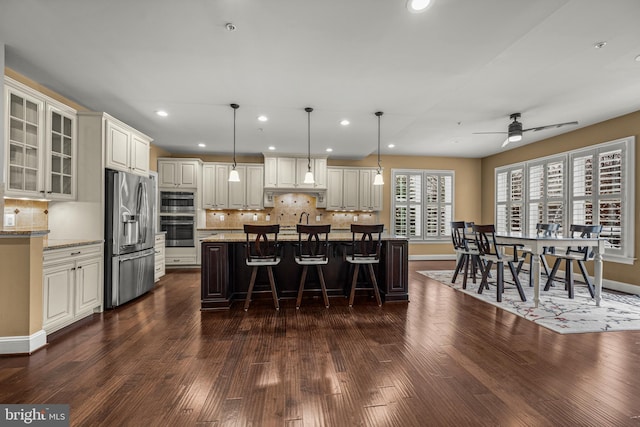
(180, 260)
(160, 239)
(71, 253)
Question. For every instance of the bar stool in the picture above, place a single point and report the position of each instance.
(312, 250)
(262, 252)
(365, 250)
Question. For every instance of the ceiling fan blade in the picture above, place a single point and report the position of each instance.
(504, 144)
(550, 126)
(487, 133)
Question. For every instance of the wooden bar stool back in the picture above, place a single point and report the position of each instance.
(365, 250)
(312, 250)
(262, 250)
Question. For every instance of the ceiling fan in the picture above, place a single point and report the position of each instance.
(514, 133)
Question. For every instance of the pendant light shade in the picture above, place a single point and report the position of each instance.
(378, 180)
(233, 175)
(308, 177)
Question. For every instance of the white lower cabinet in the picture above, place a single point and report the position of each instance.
(72, 285)
(175, 257)
(160, 256)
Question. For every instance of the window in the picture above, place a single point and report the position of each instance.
(422, 204)
(546, 192)
(587, 186)
(509, 199)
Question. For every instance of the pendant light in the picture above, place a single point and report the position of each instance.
(308, 177)
(233, 175)
(378, 179)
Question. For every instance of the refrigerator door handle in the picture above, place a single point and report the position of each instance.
(137, 255)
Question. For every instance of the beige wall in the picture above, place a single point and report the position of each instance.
(154, 153)
(467, 186)
(21, 286)
(42, 89)
(620, 127)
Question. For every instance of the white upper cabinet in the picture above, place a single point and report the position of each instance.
(247, 194)
(215, 189)
(370, 196)
(342, 188)
(219, 193)
(270, 172)
(178, 174)
(126, 149)
(289, 172)
(41, 145)
(353, 189)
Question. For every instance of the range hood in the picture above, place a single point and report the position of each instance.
(319, 194)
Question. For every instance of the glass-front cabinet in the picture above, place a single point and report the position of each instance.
(25, 116)
(41, 145)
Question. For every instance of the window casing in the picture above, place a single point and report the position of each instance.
(586, 186)
(422, 204)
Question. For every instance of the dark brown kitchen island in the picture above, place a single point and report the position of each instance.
(225, 276)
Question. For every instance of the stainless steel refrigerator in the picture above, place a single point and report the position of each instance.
(129, 236)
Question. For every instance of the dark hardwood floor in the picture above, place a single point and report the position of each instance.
(444, 358)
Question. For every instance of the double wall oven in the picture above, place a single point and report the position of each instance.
(177, 218)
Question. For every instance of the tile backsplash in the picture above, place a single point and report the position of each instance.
(286, 211)
(29, 214)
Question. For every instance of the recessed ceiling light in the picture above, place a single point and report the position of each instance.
(271, 147)
(600, 45)
(263, 118)
(202, 145)
(417, 6)
(345, 122)
(162, 113)
(391, 145)
(638, 58)
(329, 150)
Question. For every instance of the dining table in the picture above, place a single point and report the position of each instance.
(536, 244)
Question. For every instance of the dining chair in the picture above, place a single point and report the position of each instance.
(581, 254)
(365, 250)
(542, 230)
(491, 253)
(312, 250)
(464, 244)
(262, 250)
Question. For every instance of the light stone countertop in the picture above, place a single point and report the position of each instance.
(22, 232)
(50, 244)
(234, 237)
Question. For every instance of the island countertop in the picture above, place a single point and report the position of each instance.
(289, 236)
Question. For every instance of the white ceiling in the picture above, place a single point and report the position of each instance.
(461, 67)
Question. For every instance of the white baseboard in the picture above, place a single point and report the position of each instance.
(620, 286)
(437, 257)
(23, 344)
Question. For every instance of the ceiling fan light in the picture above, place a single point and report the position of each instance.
(378, 179)
(515, 137)
(234, 176)
(308, 178)
(417, 6)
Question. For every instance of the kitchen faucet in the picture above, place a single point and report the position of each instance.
(303, 213)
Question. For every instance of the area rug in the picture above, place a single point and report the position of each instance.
(617, 312)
